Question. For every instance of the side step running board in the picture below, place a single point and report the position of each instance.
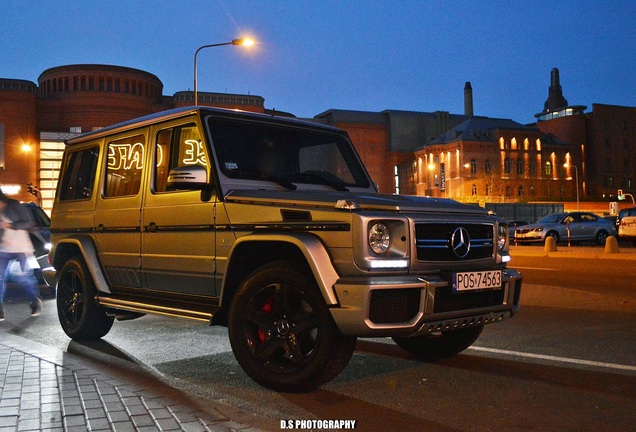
(134, 306)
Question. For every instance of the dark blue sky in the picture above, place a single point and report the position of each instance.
(368, 55)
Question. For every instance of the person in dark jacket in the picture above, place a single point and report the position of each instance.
(15, 245)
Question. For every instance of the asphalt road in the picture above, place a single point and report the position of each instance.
(561, 364)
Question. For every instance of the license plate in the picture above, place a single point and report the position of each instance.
(466, 281)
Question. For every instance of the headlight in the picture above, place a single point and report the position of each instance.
(502, 237)
(379, 238)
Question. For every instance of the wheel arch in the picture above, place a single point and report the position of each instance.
(82, 245)
(253, 251)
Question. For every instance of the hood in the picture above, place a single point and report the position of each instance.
(363, 201)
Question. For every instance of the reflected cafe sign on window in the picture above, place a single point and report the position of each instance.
(131, 156)
(10, 189)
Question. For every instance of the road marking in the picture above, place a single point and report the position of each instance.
(556, 359)
(534, 268)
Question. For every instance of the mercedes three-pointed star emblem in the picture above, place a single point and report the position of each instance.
(460, 242)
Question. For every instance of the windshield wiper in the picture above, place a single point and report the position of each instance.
(325, 178)
(279, 180)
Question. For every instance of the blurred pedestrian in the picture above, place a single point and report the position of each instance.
(15, 245)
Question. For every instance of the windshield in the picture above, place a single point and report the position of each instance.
(285, 155)
(553, 218)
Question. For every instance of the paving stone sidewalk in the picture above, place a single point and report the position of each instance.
(37, 393)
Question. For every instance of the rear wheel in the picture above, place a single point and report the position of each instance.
(282, 333)
(79, 314)
(601, 237)
(441, 345)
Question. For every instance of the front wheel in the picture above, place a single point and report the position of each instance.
(554, 235)
(440, 345)
(79, 314)
(282, 333)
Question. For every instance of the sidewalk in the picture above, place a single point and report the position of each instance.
(45, 389)
(563, 251)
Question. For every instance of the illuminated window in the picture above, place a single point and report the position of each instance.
(513, 143)
(526, 144)
(502, 144)
(538, 144)
(548, 168)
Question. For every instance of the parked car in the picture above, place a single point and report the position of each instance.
(582, 226)
(627, 225)
(623, 213)
(513, 225)
(272, 227)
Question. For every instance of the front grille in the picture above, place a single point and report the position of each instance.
(433, 241)
(446, 300)
(394, 305)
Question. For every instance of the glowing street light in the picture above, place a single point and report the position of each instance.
(576, 173)
(247, 42)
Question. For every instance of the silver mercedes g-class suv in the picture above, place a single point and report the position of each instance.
(273, 228)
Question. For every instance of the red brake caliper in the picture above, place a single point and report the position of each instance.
(267, 308)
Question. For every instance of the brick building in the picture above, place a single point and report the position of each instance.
(605, 137)
(35, 119)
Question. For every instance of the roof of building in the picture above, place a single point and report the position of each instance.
(480, 129)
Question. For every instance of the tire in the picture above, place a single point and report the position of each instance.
(554, 235)
(601, 237)
(431, 348)
(79, 314)
(282, 333)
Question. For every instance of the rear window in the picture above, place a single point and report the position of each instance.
(78, 179)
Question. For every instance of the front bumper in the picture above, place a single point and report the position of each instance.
(414, 305)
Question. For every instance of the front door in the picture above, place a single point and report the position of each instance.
(178, 236)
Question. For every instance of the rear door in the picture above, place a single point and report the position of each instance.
(118, 209)
(178, 233)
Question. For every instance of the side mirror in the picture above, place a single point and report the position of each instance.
(194, 177)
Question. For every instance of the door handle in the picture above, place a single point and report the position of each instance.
(151, 227)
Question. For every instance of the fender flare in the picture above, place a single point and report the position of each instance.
(89, 253)
(314, 252)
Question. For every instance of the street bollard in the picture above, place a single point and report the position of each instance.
(550, 244)
(569, 234)
(611, 245)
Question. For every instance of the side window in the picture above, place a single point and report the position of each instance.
(125, 166)
(78, 177)
(177, 147)
(588, 218)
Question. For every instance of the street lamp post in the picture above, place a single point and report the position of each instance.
(241, 41)
(576, 175)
